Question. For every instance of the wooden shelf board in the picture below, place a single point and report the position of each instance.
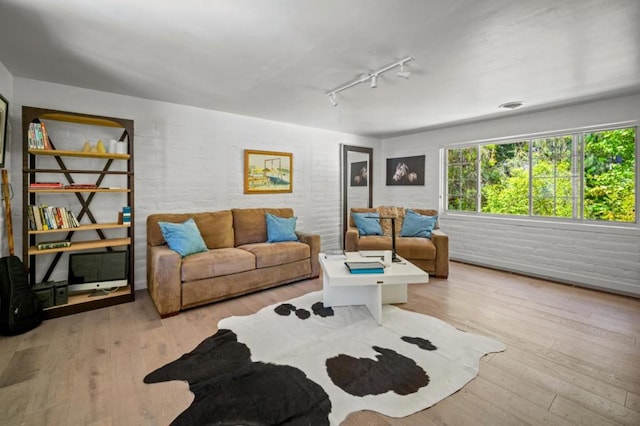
(83, 302)
(69, 153)
(79, 119)
(90, 296)
(84, 245)
(53, 190)
(87, 227)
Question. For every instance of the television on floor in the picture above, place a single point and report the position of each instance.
(98, 270)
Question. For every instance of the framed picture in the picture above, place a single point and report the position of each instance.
(267, 172)
(4, 114)
(406, 170)
(359, 174)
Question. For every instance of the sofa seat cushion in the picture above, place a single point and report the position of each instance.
(273, 254)
(215, 263)
(415, 248)
(374, 242)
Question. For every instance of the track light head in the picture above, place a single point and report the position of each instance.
(374, 81)
(332, 98)
(403, 73)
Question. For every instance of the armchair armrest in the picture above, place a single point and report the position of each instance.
(351, 239)
(313, 240)
(163, 279)
(441, 241)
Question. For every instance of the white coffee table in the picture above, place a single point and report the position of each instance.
(342, 288)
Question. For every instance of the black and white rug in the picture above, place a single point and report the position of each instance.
(299, 363)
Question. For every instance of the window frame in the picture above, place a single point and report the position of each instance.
(577, 134)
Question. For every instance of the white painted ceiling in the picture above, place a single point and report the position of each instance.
(276, 59)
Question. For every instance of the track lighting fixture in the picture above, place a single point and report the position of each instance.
(373, 77)
(404, 73)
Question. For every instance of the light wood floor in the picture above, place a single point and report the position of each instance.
(573, 357)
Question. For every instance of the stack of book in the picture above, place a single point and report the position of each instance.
(50, 217)
(126, 215)
(46, 185)
(81, 186)
(38, 137)
(365, 267)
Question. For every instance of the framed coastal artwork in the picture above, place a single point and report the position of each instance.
(267, 172)
(406, 170)
(4, 114)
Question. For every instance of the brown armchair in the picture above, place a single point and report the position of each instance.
(430, 255)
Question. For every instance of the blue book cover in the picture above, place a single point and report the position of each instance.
(365, 267)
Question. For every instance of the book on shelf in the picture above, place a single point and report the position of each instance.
(45, 245)
(81, 186)
(50, 217)
(124, 217)
(45, 136)
(46, 185)
(335, 255)
(37, 136)
(365, 267)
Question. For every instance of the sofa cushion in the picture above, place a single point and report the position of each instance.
(388, 211)
(215, 263)
(281, 229)
(216, 228)
(250, 225)
(268, 254)
(417, 225)
(429, 212)
(367, 223)
(415, 248)
(184, 237)
(359, 210)
(374, 242)
(154, 233)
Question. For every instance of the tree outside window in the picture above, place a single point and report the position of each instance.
(542, 177)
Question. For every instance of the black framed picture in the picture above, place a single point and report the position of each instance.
(4, 114)
(406, 170)
(359, 174)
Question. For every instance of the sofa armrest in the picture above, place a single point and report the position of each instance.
(163, 279)
(351, 239)
(441, 241)
(313, 240)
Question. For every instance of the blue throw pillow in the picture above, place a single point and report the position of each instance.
(367, 223)
(183, 237)
(281, 229)
(417, 225)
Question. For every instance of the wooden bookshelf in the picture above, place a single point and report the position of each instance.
(109, 235)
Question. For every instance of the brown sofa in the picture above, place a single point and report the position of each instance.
(430, 255)
(239, 259)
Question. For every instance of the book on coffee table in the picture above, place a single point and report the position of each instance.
(365, 267)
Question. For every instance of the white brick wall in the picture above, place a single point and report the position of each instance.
(596, 256)
(189, 159)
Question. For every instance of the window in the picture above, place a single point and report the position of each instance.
(583, 176)
(462, 179)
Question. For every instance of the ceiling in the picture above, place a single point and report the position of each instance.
(276, 59)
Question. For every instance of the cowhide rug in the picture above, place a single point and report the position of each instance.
(299, 363)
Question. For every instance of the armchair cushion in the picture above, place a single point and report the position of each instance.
(367, 223)
(417, 225)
